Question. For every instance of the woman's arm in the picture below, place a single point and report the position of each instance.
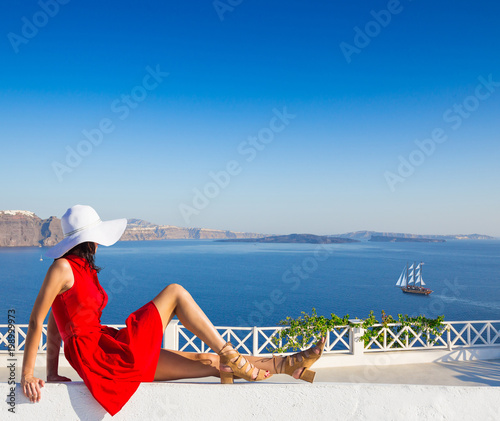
(53, 351)
(58, 277)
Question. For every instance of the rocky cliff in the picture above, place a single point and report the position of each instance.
(138, 230)
(389, 239)
(294, 238)
(366, 235)
(25, 229)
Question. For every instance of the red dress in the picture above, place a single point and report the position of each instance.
(111, 362)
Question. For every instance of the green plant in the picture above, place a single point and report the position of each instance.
(299, 333)
(432, 328)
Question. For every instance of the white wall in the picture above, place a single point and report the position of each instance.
(261, 401)
(380, 358)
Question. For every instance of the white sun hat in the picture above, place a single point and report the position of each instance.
(82, 223)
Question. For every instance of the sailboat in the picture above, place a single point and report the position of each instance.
(410, 280)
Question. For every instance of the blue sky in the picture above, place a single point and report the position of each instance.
(356, 85)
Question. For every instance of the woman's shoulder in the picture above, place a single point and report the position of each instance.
(71, 263)
(62, 271)
(60, 265)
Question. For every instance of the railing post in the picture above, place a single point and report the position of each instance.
(357, 344)
(171, 336)
(16, 339)
(255, 343)
(448, 339)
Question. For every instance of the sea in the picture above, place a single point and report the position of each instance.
(253, 284)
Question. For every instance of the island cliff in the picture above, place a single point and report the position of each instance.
(25, 229)
(138, 230)
(366, 235)
(295, 238)
(22, 228)
(396, 239)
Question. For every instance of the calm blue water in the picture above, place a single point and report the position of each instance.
(255, 284)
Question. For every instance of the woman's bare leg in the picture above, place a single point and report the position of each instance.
(175, 300)
(174, 365)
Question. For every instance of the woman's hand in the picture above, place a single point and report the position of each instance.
(57, 378)
(31, 388)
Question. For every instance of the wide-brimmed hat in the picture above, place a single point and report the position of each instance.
(82, 223)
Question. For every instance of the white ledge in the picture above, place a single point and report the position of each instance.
(277, 401)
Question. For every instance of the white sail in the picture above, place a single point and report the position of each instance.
(417, 275)
(410, 276)
(402, 279)
(420, 276)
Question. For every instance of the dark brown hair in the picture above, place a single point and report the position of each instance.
(86, 251)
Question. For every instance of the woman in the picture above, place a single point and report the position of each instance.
(112, 362)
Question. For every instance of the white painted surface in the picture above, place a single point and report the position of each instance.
(385, 358)
(244, 401)
(380, 358)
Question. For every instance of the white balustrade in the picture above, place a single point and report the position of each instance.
(342, 339)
